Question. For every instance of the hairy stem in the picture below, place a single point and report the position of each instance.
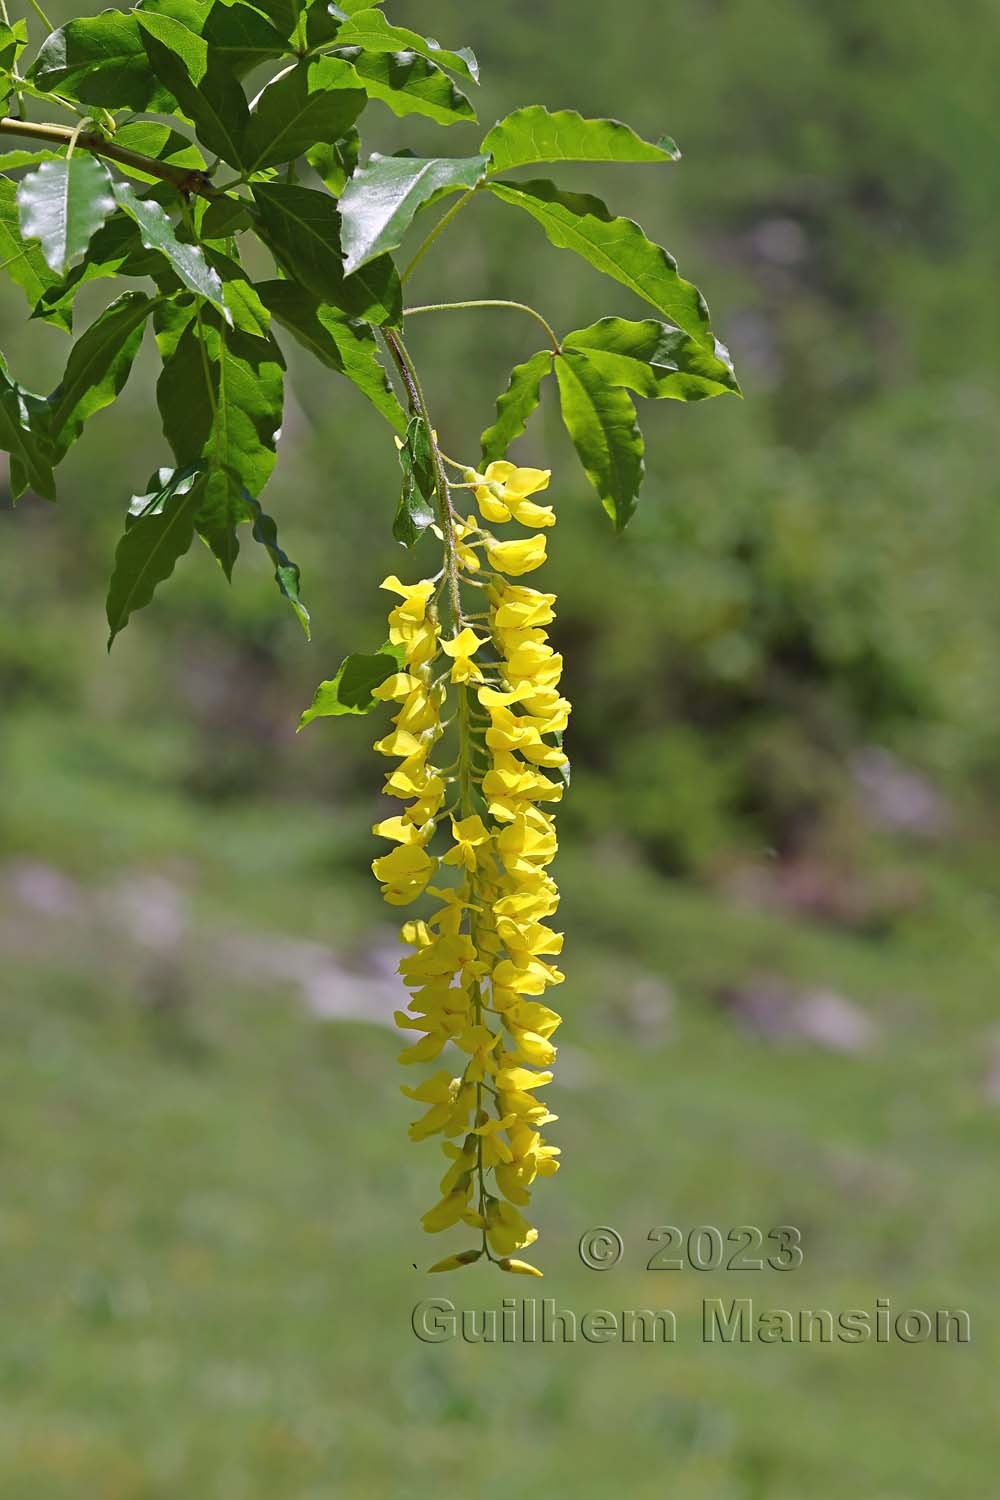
(411, 312)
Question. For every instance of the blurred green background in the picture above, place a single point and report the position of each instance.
(780, 890)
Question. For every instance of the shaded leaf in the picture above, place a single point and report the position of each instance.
(62, 203)
(370, 29)
(241, 37)
(415, 511)
(97, 369)
(379, 203)
(342, 343)
(220, 398)
(115, 250)
(334, 161)
(350, 690)
(203, 85)
(654, 359)
(150, 546)
(410, 85)
(516, 404)
(157, 233)
(101, 60)
(23, 260)
(302, 229)
(600, 419)
(315, 101)
(618, 247)
(286, 573)
(29, 460)
(536, 134)
(224, 217)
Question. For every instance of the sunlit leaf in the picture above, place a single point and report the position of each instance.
(410, 85)
(370, 29)
(62, 203)
(101, 60)
(313, 102)
(600, 419)
(537, 134)
(302, 229)
(654, 359)
(516, 404)
(203, 85)
(618, 247)
(349, 691)
(157, 233)
(22, 259)
(379, 203)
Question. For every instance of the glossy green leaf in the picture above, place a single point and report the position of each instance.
(516, 404)
(301, 227)
(23, 260)
(410, 85)
(101, 60)
(157, 233)
(350, 690)
(334, 161)
(220, 397)
(370, 29)
(381, 200)
(97, 369)
(286, 573)
(241, 37)
(537, 134)
(62, 203)
(162, 142)
(115, 250)
(618, 247)
(415, 511)
(203, 85)
(342, 343)
(12, 161)
(13, 40)
(654, 359)
(151, 545)
(314, 102)
(600, 419)
(29, 458)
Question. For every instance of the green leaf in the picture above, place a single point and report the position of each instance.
(24, 263)
(314, 102)
(410, 85)
(12, 161)
(654, 359)
(101, 60)
(241, 37)
(157, 233)
(62, 204)
(618, 247)
(342, 343)
(381, 200)
(13, 40)
(415, 511)
(200, 80)
(115, 250)
(29, 459)
(161, 142)
(225, 217)
(516, 404)
(152, 542)
(600, 419)
(334, 161)
(370, 29)
(220, 398)
(350, 690)
(97, 369)
(286, 573)
(536, 134)
(301, 227)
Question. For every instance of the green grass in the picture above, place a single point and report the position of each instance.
(208, 1223)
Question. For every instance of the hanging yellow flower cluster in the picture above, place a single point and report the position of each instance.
(478, 966)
